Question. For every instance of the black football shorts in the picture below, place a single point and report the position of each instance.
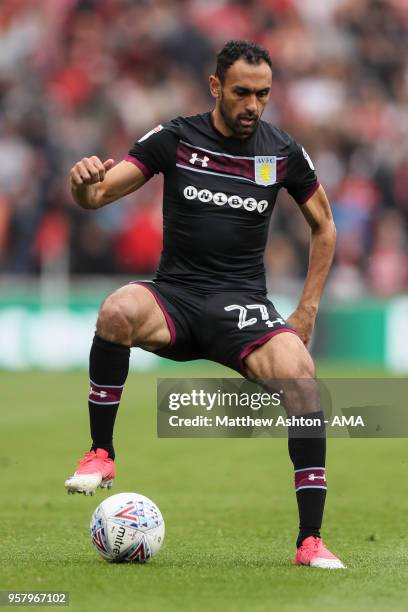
(221, 326)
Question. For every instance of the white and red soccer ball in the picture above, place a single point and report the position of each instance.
(127, 527)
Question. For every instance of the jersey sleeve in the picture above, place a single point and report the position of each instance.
(156, 151)
(301, 180)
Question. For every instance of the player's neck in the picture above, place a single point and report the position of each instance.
(220, 125)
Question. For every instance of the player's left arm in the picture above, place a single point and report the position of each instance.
(316, 210)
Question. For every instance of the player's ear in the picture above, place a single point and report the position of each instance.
(215, 86)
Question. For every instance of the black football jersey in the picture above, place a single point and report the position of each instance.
(219, 194)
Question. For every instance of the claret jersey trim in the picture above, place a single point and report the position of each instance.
(136, 162)
(215, 152)
(214, 173)
(197, 159)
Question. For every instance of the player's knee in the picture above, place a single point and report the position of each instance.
(302, 368)
(296, 380)
(115, 320)
(299, 366)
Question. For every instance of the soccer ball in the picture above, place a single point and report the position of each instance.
(127, 527)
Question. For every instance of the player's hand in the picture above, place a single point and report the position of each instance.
(302, 321)
(90, 170)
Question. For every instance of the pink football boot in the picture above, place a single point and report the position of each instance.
(95, 470)
(314, 553)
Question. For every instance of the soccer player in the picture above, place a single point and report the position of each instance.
(222, 173)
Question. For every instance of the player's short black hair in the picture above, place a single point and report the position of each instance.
(233, 50)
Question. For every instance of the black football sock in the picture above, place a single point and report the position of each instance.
(308, 455)
(108, 370)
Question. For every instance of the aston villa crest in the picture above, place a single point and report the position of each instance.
(265, 170)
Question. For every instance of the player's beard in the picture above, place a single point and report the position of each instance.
(234, 124)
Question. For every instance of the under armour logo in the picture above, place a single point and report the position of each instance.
(203, 160)
(272, 323)
(101, 394)
(314, 477)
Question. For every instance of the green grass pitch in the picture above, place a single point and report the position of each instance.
(229, 508)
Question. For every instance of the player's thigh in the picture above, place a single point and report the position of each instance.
(284, 364)
(282, 356)
(132, 316)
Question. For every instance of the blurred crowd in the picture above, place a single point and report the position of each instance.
(83, 77)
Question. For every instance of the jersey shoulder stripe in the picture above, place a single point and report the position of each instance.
(198, 159)
(236, 177)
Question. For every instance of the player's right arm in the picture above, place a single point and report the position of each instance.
(95, 183)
